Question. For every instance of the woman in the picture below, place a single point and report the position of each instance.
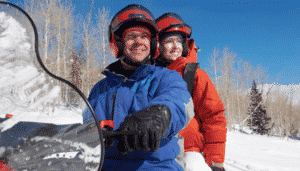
(206, 132)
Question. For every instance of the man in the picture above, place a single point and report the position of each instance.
(150, 103)
(206, 133)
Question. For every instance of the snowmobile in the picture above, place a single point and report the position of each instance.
(41, 119)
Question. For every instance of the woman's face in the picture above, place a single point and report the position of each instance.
(172, 48)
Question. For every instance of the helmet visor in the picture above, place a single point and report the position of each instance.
(132, 12)
(184, 28)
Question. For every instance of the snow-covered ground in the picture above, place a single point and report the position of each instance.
(249, 152)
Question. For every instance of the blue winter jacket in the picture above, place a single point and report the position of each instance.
(148, 85)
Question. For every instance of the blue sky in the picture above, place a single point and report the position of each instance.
(266, 32)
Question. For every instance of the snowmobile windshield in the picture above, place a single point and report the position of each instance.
(44, 123)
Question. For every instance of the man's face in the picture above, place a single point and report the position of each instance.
(172, 48)
(136, 43)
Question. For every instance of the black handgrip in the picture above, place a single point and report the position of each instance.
(117, 134)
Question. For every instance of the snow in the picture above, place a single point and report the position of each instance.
(14, 35)
(88, 154)
(19, 77)
(67, 155)
(58, 117)
(250, 152)
(195, 160)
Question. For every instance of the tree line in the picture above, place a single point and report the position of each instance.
(232, 78)
(73, 47)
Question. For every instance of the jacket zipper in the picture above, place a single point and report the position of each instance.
(114, 101)
(113, 107)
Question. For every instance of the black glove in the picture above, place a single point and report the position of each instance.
(108, 141)
(214, 168)
(146, 128)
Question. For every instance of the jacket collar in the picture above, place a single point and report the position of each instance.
(178, 65)
(116, 70)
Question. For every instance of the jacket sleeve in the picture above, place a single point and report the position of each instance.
(210, 110)
(172, 92)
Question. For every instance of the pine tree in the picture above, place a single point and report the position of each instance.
(258, 120)
(293, 132)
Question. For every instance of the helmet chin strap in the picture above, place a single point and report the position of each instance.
(128, 61)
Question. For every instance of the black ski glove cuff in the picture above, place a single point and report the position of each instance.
(148, 127)
(214, 168)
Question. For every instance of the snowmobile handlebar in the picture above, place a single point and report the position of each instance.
(117, 134)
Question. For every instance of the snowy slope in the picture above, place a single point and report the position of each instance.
(248, 152)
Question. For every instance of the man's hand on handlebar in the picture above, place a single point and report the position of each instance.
(143, 129)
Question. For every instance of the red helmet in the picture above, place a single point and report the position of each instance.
(132, 15)
(172, 22)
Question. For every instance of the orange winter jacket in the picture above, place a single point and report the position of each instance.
(206, 132)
